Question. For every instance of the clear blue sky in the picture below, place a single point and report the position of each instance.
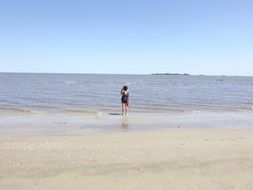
(127, 36)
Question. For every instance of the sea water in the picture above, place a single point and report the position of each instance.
(101, 92)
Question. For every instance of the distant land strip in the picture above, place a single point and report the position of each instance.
(169, 74)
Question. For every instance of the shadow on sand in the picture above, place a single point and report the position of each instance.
(115, 113)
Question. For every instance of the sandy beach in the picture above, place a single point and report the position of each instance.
(174, 158)
(126, 95)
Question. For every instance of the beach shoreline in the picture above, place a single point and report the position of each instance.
(77, 123)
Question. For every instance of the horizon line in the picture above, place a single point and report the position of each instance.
(156, 73)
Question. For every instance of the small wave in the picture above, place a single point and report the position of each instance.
(249, 108)
(15, 110)
(82, 111)
(61, 82)
(69, 82)
(45, 111)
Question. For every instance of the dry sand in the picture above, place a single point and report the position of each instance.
(167, 159)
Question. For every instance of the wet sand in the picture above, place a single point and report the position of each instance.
(78, 123)
(220, 159)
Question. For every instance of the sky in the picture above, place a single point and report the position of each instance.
(211, 37)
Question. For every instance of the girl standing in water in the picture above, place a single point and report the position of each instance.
(124, 99)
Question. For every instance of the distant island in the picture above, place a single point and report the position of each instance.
(169, 74)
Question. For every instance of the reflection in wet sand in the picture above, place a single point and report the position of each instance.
(124, 123)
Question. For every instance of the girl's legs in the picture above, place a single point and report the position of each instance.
(126, 108)
(123, 108)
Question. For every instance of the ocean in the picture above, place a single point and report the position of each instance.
(21, 92)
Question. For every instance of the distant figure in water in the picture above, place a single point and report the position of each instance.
(124, 99)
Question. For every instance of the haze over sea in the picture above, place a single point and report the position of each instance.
(22, 92)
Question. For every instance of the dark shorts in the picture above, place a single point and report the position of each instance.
(124, 99)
